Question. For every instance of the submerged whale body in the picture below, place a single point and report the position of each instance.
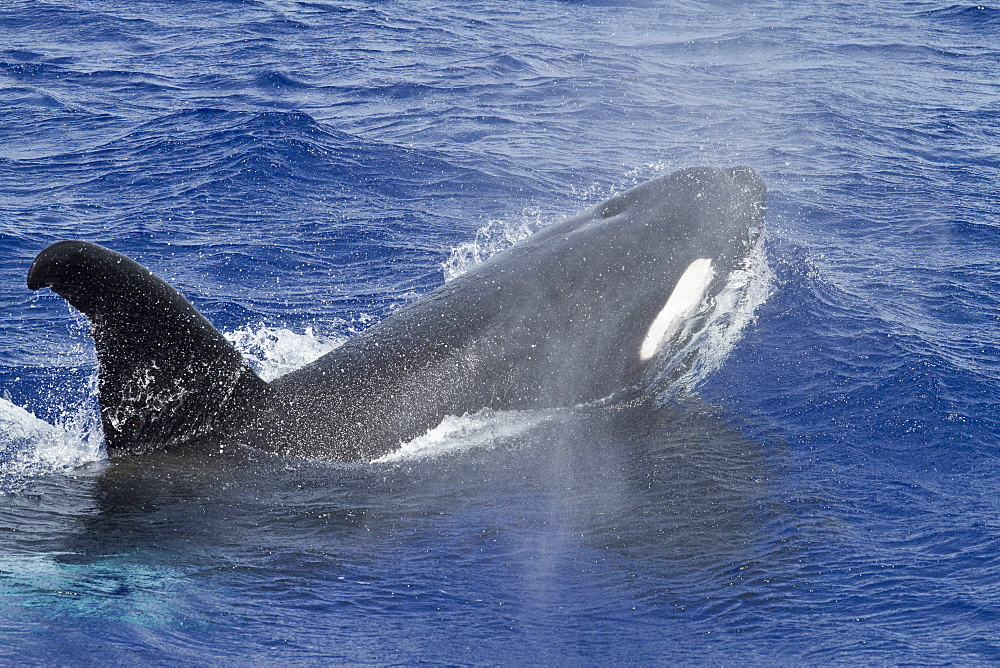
(581, 311)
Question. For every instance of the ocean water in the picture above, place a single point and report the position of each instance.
(826, 493)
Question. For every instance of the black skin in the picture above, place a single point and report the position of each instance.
(557, 320)
(166, 375)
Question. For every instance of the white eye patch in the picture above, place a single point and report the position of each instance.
(683, 301)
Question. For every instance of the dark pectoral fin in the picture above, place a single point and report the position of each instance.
(166, 376)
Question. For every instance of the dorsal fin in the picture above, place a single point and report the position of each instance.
(166, 376)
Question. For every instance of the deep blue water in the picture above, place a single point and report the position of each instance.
(300, 169)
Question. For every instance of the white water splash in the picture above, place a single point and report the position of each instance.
(30, 446)
(484, 429)
(495, 236)
(275, 351)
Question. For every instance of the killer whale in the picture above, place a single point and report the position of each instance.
(578, 312)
